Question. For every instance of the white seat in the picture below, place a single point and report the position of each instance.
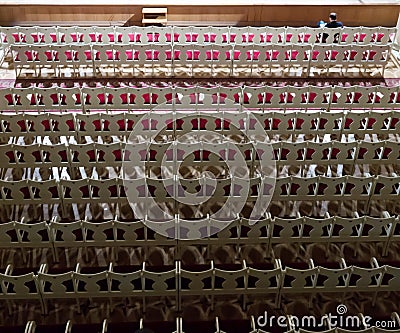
(391, 153)
(12, 35)
(90, 285)
(69, 99)
(275, 35)
(335, 279)
(297, 97)
(105, 35)
(343, 152)
(253, 98)
(196, 283)
(53, 286)
(109, 155)
(295, 35)
(376, 56)
(15, 192)
(126, 283)
(160, 35)
(104, 57)
(369, 279)
(74, 191)
(292, 153)
(284, 123)
(114, 123)
(286, 228)
(301, 280)
(238, 35)
(23, 57)
(21, 99)
(386, 188)
(307, 123)
(126, 35)
(105, 190)
(364, 97)
(358, 188)
(135, 99)
(348, 230)
(218, 35)
(320, 97)
(319, 57)
(202, 34)
(267, 281)
(77, 56)
(392, 278)
(249, 34)
(312, 36)
(185, 57)
(94, 99)
(184, 35)
(386, 97)
(379, 229)
(18, 287)
(369, 153)
(334, 35)
(70, 35)
(242, 58)
(125, 57)
(162, 98)
(56, 155)
(44, 192)
(221, 56)
(352, 35)
(32, 235)
(159, 283)
(368, 35)
(83, 155)
(68, 234)
(89, 124)
(385, 35)
(261, 58)
(229, 282)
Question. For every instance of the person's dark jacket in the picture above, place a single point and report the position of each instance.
(334, 24)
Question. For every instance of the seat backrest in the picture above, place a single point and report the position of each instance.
(275, 35)
(239, 35)
(386, 35)
(295, 35)
(183, 35)
(73, 35)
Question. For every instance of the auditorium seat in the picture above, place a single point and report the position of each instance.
(77, 247)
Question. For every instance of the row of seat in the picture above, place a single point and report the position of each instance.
(177, 282)
(194, 59)
(192, 34)
(197, 98)
(144, 190)
(305, 153)
(238, 232)
(290, 323)
(269, 125)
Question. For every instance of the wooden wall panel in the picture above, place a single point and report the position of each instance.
(232, 15)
